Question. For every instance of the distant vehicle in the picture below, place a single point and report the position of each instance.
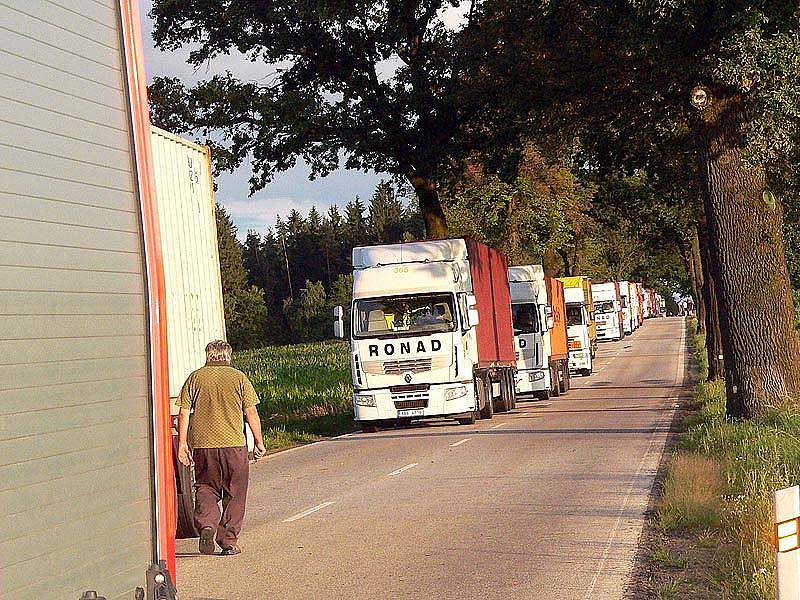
(627, 306)
(639, 304)
(581, 327)
(431, 332)
(195, 314)
(608, 310)
(540, 331)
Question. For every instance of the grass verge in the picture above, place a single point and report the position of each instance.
(716, 499)
(305, 391)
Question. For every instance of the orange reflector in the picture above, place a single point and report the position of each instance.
(786, 533)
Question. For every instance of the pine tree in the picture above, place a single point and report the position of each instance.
(245, 312)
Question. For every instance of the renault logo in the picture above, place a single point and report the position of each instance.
(408, 377)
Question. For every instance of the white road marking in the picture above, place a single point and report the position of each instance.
(305, 513)
(498, 425)
(464, 441)
(401, 469)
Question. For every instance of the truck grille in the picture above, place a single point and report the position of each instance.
(415, 403)
(395, 367)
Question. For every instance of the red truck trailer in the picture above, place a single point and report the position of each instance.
(85, 449)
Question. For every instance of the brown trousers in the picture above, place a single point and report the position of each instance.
(221, 474)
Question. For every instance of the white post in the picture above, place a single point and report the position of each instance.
(787, 537)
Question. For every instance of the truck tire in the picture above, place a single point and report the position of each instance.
(543, 395)
(470, 420)
(483, 393)
(555, 384)
(512, 388)
(563, 385)
(367, 427)
(507, 389)
(184, 496)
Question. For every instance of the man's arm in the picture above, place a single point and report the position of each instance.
(251, 414)
(183, 434)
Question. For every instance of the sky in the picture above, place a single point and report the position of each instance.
(289, 190)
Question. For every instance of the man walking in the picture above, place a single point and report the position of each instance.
(219, 398)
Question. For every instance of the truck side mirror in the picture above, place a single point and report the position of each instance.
(338, 323)
(548, 317)
(473, 317)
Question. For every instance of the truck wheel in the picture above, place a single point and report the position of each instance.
(369, 428)
(555, 383)
(563, 382)
(184, 488)
(512, 388)
(484, 395)
(543, 395)
(507, 390)
(470, 420)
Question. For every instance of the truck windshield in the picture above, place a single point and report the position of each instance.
(404, 315)
(525, 317)
(606, 306)
(574, 314)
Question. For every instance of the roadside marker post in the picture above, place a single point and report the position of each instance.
(787, 542)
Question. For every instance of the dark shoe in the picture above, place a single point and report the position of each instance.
(231, 550)
(206, 545)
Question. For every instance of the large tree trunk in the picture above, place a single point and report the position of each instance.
(709, 293)
(761, 346)
(430, 205)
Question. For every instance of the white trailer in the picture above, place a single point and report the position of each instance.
(628, 306)
(190, 255)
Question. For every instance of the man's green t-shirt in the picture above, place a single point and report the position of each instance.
(219, 394)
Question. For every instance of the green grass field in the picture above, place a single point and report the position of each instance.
(305, 390)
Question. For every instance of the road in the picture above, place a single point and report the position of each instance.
(545, 502)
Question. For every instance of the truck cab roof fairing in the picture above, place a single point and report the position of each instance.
(365, 257)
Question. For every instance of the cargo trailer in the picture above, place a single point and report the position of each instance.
(539, 321)
(190, 255)
(431, 332)
(85, 449)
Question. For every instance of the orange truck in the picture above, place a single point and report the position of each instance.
(581, 327)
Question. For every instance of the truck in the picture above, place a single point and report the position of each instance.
(431, 333)
(581, 326)
(87, 495)
(639, 303)
(626, 301)
(190, 256)
(608, 311)
(540, 331)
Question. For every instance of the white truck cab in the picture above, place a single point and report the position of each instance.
(414, 335)
(608, 308)
(578, 326)
(627, 306)
(533, 319)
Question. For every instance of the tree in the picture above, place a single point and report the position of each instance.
(308, 315)
(244, 303)
(624, 72)
(384, 84)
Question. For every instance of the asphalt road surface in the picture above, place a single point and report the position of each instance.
(545, 502)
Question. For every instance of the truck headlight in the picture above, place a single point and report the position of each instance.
(365, 400)
(535, 375)
(456, 392)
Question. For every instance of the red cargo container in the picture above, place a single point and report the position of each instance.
(495, 331)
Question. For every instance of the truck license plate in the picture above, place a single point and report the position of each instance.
(413, 412)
